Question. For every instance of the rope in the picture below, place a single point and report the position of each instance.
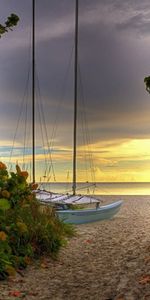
(55, 123)
(25, 93)
(19, 118)
(25, 133)
(43, 124)
(85, 129)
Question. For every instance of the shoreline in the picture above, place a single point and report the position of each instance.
(106, 260)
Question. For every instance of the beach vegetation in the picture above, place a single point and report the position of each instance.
(147, 83)
(11, 21)
(28, 230)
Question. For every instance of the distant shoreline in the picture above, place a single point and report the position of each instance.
(101, 188)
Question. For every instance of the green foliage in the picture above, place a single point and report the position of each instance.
(147, 83)
(4, 204)
(27, 228)
(12, 21)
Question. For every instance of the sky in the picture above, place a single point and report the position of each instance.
(113, 106)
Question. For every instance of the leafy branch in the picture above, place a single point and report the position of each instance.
(12, 21)
(147, 83)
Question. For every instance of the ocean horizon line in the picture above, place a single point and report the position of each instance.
(99, 182)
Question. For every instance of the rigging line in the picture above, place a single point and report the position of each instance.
(60, 103)
(85, 152)
(83, 108)
(88, 139)
(84, 141)
(41, 127)
(91, 158)
(88, 148)
(87, 135)
(55, 123)
(26, 141)
(25, 165)
(84, 144)
(20, 113)
(28, 145)
(50, 167)
(67, 182)
(22, 103)
(83, 187)
(44, 124)
(44, 130)
(105, 190)
(25, 132)
(91, 164)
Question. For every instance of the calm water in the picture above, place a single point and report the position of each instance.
(102, 188)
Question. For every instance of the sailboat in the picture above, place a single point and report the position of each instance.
(75, 216)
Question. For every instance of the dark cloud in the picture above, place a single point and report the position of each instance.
(113, 63)
(138, 24)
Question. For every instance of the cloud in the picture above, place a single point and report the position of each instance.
(56, 29)
(112, 68)
(132, 17)
(138, 24)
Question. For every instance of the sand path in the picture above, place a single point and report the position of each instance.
(105, 261)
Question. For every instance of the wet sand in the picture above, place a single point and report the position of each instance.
(107, 260)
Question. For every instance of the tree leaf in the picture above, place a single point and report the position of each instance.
(4, 204)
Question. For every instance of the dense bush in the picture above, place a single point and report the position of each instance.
(27, 229)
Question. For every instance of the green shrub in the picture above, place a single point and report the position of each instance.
(28, 230)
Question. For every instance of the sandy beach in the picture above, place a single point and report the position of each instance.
(107, 260)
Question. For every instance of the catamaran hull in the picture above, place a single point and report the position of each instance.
(90, 215)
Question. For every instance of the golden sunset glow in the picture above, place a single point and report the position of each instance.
(123, 161)
(112, 161)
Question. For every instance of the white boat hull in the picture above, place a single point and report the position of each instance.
(89, 215)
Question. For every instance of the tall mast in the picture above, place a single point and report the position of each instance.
(75, 98)
(33, 91)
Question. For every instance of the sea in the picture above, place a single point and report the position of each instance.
(101, 188)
